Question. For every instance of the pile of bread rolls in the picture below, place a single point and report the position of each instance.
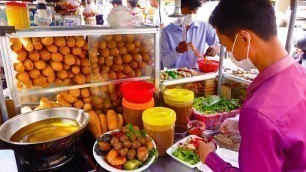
(46, 61)
(119, 56)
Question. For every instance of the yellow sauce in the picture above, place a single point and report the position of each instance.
(46, 130)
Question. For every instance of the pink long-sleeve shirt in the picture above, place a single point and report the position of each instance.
(272, 122)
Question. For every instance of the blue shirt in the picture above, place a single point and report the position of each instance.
(198, 33)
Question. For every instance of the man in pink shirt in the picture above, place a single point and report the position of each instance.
(272, 120)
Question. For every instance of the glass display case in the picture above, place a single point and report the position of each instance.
(81, 67)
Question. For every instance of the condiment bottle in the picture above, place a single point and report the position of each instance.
(181, 101)
(17, 15)
(159, 123)
(132, 112)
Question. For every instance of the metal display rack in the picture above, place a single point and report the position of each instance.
(70, 31)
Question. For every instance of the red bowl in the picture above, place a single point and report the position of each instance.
(206, 67)
(138, 91)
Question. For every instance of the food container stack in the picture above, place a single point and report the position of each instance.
(137, 97)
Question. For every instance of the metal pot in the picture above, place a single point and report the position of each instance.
(49, 154)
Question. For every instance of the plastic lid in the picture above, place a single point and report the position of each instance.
(159, 116)
(15, 4)
(179, 95)
(138, 106)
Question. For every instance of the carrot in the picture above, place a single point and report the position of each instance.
(112, 120)
(103, 123)
(121, 121)
(94, 124)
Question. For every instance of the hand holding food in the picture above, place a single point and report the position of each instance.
(205, 150)
(212, 50)
(182, 47)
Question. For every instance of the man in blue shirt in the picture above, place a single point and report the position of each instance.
(176, 52)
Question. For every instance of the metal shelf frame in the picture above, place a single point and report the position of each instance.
(71, 31)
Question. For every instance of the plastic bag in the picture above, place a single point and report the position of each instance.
(123, 17)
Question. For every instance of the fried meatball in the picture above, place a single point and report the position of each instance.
(127, 144)
(136, 144)
(131, 154)
(114, 140)
(117, 146)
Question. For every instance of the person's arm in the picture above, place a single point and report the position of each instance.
(212, 41)
(168, 56)
(261, 146)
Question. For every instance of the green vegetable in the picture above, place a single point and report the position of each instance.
(172, 74)
(152, 153)
(187, 156)
(214, 104)
(132, 164)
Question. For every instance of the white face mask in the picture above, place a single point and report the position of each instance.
(178, 21)
(245, 64)
(189, 18)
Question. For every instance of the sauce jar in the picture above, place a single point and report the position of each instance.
(159, 124)
(17, 15)
(132, 112)
(181, 101)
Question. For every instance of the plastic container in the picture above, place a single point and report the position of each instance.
(159, 124)
(206, 67)
(17, 15)
(181, 101)
(213, 121)
(138, 91)
(132, 112)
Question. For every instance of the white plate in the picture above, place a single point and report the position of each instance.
(227, 155)
(103, 163)
(175, 146)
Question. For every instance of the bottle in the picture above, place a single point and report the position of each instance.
(42, 16)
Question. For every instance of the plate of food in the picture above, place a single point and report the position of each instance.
(128, 149)
(186, 151)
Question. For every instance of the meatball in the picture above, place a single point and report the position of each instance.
(131, 154)
(133, 137)
(104, 146)
(114, 140)
(123, 138)
(125, 129)
(127, 144)
(142, 154)
(136, 144)
(142, 140)
(117, 146)
(123, 152)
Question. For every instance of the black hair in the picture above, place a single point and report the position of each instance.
(118, 2)
(133, 3)
(230, 16)
(191, 4)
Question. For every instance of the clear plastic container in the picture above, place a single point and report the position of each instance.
(132, 112)
(181, 101)
(159, 124)
(17, 15)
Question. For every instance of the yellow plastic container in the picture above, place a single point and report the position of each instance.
(159, 124)
(132, 112)
(181, 101)
(17, 15)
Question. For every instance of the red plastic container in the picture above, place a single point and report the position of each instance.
(213, 121)
(138, 91)
(206, 67)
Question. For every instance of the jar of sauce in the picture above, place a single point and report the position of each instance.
(132, 112)
(17, 15)
(181, 101)
(159, 124)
